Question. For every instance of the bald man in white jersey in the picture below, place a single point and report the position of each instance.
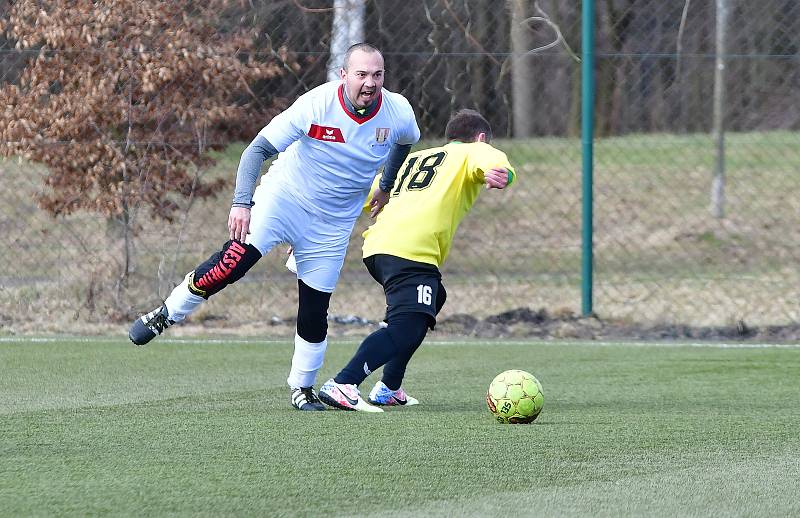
(331, 141)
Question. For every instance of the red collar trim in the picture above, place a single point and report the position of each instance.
(360, 120)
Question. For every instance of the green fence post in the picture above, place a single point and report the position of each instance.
(587, 136)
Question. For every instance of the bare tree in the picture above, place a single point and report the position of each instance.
(522, 73)
(718, 181)
(348, 29)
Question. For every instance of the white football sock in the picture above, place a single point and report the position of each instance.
(182, 302)
(306, 362)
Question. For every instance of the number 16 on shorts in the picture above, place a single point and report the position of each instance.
(424, 294)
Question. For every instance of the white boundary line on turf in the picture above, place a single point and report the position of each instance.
(85, 339)
(565, 343)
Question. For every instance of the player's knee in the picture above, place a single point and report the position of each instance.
(223, 268)
(312, 313)
(408, 329)
(312, 325)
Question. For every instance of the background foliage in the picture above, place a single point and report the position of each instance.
(119, 115)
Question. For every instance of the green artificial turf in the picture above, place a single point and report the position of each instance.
(204, 428)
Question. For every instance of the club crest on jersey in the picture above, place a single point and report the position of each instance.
(326, 133)
(381, 134)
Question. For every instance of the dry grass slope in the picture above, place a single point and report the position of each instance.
(660, 257)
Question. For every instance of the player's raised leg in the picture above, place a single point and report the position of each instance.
(215, 273)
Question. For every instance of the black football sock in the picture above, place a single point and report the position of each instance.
(374, 351)
(408, 330)
(394, 344)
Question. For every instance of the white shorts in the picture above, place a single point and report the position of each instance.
(319, 244)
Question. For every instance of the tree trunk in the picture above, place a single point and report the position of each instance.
(718, 181)
(478, 71)
(522, 74)
(348, 29)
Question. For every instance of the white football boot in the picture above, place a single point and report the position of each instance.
(384, 396)
(345, 397)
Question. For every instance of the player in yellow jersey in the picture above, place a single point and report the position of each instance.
(404, 248)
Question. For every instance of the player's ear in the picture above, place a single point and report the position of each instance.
(342, 73)
(481, 137)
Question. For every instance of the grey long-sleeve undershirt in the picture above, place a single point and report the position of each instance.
(253, 157)
(261, 150)
(397, 155)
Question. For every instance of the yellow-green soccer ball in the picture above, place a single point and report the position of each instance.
(515, 396)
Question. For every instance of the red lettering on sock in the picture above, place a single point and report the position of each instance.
(220, 271)
(236, 247)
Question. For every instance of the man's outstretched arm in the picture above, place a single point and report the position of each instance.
(250, 164)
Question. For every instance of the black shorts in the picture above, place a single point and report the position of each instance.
(410, 286)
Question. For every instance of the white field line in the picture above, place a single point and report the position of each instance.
(706, 345)
(469, 342)
(95, 339)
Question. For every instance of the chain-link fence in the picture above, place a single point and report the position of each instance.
(697, 155)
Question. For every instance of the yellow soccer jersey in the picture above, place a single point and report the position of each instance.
(433, 191)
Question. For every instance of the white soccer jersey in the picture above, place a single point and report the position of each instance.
(328, 156)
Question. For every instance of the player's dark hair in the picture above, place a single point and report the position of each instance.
(465, 125)
(364, 47)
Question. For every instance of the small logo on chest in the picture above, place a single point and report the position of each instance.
(381, 134)
(326, 133)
